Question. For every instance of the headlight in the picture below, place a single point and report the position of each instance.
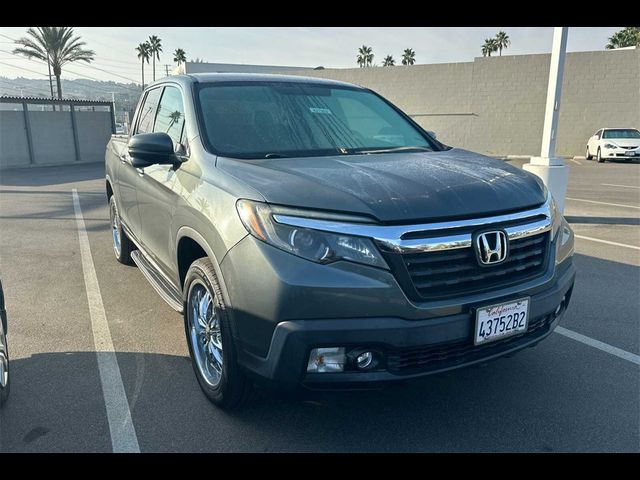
(314, 245)
(556, 216)
(610, 145)
(565, 242)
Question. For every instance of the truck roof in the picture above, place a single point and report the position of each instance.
(249, 77)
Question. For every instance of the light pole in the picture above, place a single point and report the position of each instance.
(550, 168)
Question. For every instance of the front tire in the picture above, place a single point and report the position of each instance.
(587, 155)
(599, 156)
(211, 345)
(4, 368)
(122, 246)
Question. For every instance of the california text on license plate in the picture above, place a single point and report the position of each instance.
(496, 322)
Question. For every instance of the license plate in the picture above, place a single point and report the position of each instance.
(631, 154)
(503, 320)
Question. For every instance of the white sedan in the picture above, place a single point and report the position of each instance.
(614, 143)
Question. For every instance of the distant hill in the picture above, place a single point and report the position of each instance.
(126, 94)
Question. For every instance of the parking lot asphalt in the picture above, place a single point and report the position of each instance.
(562, 396)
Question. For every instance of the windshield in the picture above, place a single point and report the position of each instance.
(286, 119)
(621, 133)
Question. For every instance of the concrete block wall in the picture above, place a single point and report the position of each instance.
(495, 105)
(52, 135)
(14, 150)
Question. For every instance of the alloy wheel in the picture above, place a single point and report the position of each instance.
(205, 334)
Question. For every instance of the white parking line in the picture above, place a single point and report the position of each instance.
(607, 242)
(605, 347)
(603, 203)
(622, 186)
(574, 161)
(123, 434)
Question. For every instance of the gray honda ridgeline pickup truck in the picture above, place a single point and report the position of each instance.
(313, 234)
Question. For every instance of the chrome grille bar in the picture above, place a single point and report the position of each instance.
(390, 238)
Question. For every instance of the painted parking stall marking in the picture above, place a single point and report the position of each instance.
(604, 203)
(615, 244)
(605, 347)
(123, 434)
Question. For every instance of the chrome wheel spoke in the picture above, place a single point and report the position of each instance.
(205, 336)
(216, 355)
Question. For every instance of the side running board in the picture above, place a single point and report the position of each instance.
(166, 290)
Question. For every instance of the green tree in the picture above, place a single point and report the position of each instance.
(627, 37)
(143, 54)
(365, 56)
(502, 41)
(155, 47)
(388, 61)
(55, 45)
(408, 56)
(490, 45)
(179, 56)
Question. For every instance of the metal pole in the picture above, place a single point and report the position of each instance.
(550, 168)
(113, 118)
(27, 127)
(50, 80)
(554, 91)
(74, 128)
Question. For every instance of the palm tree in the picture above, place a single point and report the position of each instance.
(489, 46)
(388, 61)
(155, 47)
(627, 37)
(55, 45)
(175, 118)
(408, 56)
(365, 56)
(143, 54)
(502, 41)
(179, 56)
(369, 56)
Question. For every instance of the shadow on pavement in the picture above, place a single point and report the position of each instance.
(602, 220)
(43, 176)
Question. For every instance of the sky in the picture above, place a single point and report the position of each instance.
(331, 47)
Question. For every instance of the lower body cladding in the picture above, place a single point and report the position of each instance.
(391, 339)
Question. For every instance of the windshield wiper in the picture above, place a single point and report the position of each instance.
(274, 155)
(395, 149)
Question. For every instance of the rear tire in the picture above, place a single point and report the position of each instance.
(210, 341)
(599, 156)
(587, 155)
(4, 368)
(122, 246)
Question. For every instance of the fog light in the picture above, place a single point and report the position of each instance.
(323, 360)
(364, 360)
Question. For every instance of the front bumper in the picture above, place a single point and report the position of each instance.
(621, 153)
(440, 332)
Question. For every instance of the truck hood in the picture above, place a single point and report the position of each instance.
(393, 187)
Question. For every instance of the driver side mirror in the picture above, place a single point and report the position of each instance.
(147, 149)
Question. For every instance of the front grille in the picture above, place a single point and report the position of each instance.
(434, 357)
(629, 148)
(452, 272)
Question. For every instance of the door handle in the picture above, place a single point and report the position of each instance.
(123, 158)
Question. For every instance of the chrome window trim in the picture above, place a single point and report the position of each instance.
(390, 237)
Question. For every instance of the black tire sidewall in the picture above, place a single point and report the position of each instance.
(599, 156)
(221, 392)
(126, 246)
(4, 391)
